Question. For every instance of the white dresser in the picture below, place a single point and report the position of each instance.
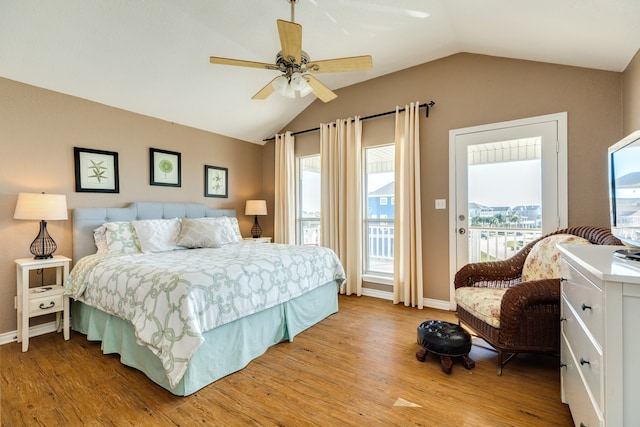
(600, 345)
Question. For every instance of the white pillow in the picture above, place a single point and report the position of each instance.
(157, 235)
(100, 238)
(121, 237)
(236, 227)
(206, 232)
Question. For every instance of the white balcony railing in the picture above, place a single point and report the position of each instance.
(493, 244)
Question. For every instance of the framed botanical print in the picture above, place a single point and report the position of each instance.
(96, 171)
(164, 168)
(216, 182)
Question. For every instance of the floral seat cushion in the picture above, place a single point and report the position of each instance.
(483, 303)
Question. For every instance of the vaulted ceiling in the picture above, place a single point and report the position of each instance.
(152, 57)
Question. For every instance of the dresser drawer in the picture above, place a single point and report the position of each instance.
(583, 410)
(588, 357)
(586, 299)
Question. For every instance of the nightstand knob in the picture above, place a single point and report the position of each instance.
(51, 305)
(584, 362)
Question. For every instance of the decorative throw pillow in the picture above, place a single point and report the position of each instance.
(121, 237)
(543, 262)
(206, 232)
(157, 235)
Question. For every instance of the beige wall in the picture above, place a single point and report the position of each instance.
(38, 130)
(631, 96)
(471, 90)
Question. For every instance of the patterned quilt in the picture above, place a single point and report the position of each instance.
(172, 298)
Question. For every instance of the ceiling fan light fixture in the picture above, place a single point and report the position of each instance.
(288, 91)
(280, 83)
(297, 82)
(306, 90)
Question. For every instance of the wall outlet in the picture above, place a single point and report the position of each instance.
(441, 203)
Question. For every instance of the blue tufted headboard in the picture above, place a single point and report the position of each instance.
(85, 220)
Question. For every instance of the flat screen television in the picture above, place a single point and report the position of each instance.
(624, 192)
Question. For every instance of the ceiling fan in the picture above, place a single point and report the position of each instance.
(296, 66)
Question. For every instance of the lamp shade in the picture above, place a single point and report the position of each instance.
(255, 207)
(41, 206)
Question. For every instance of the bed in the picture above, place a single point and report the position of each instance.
(188, 317)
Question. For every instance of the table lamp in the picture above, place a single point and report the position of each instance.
(256, 207)
(42, 207)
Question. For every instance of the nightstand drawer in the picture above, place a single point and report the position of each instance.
(47, 303)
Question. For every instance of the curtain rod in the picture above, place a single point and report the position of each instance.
(426, 105)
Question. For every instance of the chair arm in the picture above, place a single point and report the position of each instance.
(519, 301)
(496, 274)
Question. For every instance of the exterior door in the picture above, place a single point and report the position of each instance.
(507, 187)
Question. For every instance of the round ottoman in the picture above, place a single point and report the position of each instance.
(446, 340)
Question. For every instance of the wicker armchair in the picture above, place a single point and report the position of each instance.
(529, 311)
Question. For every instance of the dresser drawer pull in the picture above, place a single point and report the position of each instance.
(51, 305)
(562, 318)
(584, 362)
(563, 365)
(585, 307)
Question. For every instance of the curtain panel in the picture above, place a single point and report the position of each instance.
(341, 203)
(284, 225)
(408, 287)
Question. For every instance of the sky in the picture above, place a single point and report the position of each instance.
(505, 184)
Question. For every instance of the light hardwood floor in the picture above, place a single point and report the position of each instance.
(356, 367)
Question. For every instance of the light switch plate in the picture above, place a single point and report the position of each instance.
(441, 203)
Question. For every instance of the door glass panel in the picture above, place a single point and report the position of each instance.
(504, 193)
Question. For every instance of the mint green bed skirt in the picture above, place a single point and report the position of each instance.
(226, 349)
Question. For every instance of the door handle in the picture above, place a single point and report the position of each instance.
(461, 230)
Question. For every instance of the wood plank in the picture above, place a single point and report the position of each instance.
(350, 369)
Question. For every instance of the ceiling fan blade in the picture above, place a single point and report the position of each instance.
(353, 63)
(290, 39)
(265, 91)
(320, 90)
(242, 63)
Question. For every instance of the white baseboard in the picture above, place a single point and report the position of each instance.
(427, 302)
(34, 331)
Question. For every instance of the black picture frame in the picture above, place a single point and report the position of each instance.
(216, 181)
(164, 168)
(96, 171)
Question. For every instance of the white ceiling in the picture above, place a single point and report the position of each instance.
(152, 56)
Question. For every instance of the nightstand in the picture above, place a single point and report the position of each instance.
(41, 300)
(258, 239)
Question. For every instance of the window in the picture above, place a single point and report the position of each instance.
(379, 185)
(308, 212)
